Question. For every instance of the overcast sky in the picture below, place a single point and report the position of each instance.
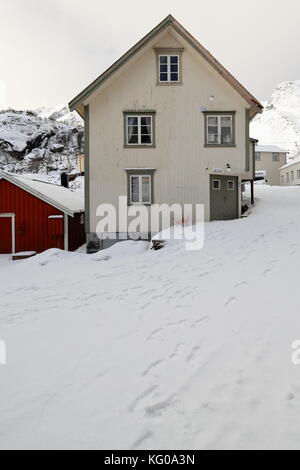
(51, 49)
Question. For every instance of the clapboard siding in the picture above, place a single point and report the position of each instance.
(33, 231)
(180, 158)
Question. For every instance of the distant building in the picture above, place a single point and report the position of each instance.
(290, 173)
(269, 160)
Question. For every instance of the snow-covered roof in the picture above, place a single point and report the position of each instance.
(66, 200)
(291, 163)
(269, 148)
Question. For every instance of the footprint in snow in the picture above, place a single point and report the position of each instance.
(154, 333)
(200, 320)
(141, 440)
(150, 391)
(240, 284)
(177, 350)
(192, 354)
(153, 366)
(230, 301)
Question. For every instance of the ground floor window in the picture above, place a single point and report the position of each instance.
(140, 187)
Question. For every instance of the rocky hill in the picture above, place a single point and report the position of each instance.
(46, 141)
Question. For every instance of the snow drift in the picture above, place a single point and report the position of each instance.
(132, 348)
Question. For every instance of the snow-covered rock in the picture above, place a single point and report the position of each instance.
(46, 141)
(279, 124)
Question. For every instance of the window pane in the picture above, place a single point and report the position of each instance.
(133, 139)
(146, 130)
(163, 77)
(230, 185)
(132, 130)
(212, 121)
(174, 77)
(134, 189)
(216, 184)
(146, 121)
(163, 68)
(146, 189)
(174, 68)
(163, 59)
(146, 139)
(226, 130)
(213, 137)
(132, 121)
(174, 59)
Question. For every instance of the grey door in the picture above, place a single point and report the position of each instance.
(223, 197)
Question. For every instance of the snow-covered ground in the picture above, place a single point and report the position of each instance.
(131, 348)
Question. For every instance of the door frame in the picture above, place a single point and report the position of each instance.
(13, 230)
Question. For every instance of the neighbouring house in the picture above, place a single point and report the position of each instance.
(167, 123)
(290, 173)
(269, 160)
(36, 216)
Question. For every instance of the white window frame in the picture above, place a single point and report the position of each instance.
(13, 230)
(258, 156)
(219, 184)
(140, 178)
(139, 118)
(169, 68)
(276, 157)
(219, 117)
(233, 182)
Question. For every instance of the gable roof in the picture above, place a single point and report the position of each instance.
(270, 148)
(170, 21)
(69, 201)
(292, 162)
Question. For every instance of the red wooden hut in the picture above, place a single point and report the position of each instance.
(36, 216)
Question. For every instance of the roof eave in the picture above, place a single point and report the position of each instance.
(39, 195)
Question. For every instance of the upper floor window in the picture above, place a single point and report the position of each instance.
(220, 129)
(169, 66)
(139, 129)
(276, 157)
(292, 176)
(298, 174)
(258, 156)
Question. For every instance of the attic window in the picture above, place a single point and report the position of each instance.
(169, 66)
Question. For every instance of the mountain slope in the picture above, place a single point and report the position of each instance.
(42, 141)
(279, 124)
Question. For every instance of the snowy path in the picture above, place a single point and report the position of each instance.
(168, 349)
